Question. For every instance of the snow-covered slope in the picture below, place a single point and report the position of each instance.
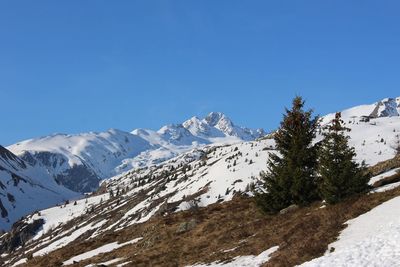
(372, 239)
(24, 189)
(388, 107)
(211, 173)
(214, 172)
(80, 161)
(375, 140)
(200, 177)
(375, 129)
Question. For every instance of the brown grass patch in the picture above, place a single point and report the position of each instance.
(385, 166)
(388, 180)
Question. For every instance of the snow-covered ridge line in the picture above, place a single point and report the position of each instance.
(388, 107)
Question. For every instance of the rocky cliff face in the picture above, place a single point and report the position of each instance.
(388, 107)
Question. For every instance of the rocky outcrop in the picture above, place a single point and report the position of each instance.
(79, 178)
(19, 235)
(289, 209)
(186, 226)
(386, 108)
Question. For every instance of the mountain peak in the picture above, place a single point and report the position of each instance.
(193, 122)
(214, 118)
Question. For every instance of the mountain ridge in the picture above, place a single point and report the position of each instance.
(101, 155)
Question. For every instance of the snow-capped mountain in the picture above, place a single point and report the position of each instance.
(80, 161)
(220, 122)
(217, 125)
(24, 189)
(201, 128)
(178, 135)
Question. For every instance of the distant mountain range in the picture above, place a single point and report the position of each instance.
(80, 161)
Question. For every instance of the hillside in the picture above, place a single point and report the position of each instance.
(149, 212)
(234, 231)
(24, 189)
(140, 199)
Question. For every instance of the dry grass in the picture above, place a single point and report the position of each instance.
(388, 180)
(301, 235)
(385, 166)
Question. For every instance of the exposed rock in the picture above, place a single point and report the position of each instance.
(19, 235)
(10, 198)
(79, 178)
(186, 226)
(16, 179)
(4, 212)
(289, 209)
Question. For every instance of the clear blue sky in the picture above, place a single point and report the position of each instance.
(75, 66)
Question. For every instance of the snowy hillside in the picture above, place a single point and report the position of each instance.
(229, 168)
(24, 189)
(80, 161)
(388, 107)
(375, 129)
(372, 239)
(198, 178)
(211, 174)
(178, 168)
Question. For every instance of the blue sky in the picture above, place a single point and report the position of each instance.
(76, 66)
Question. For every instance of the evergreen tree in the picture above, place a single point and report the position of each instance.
(291, 176)
(340, 175)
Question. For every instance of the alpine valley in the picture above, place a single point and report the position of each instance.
(182, 196)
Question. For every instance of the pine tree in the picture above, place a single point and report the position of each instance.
(291, 176)
(340, 175)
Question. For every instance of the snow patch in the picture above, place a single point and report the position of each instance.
(243, 261)
(103, 249)
(371, 239)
